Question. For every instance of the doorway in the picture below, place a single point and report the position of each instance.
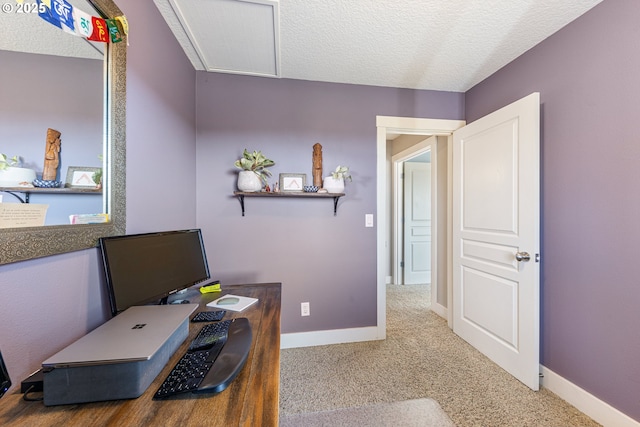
(483, 197)
(387, 128)
(414, 179)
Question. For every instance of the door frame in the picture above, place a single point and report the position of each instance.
(398, 201)
(411, 126)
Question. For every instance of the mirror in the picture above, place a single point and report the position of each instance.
(17, 244)
(65, 92)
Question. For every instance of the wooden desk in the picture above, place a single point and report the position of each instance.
(250, 400)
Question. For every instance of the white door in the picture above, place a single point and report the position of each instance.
(496, 241)
(417, 223)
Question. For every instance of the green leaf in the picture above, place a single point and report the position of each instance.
(254, 161)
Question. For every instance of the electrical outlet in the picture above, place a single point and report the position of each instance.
(304, 309)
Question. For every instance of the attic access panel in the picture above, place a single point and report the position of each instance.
(233, 36)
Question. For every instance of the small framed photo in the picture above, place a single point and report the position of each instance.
(292, 181)
(81, 176)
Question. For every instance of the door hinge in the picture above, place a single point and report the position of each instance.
(537, 257)
(401, 264)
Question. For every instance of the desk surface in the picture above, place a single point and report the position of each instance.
(250, 400)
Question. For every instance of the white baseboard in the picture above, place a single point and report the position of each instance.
(337, 336)
(440, 310)
(584, 401)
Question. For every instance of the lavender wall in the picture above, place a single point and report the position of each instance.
(63, 295)
(326, 260)
(587, 75)
(161, 178)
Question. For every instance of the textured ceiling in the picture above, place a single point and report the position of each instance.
(27, 32)
(448, 45)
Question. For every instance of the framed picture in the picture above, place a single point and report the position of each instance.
(292, 181)
(81, 176)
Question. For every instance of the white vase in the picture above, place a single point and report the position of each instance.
(333, 185)
(248, 181)
(16, 177)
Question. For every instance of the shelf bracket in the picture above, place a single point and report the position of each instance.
(241, 196)
(241, 199)
(26, 196)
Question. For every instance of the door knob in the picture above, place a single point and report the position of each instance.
(522, 256)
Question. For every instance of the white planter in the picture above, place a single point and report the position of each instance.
(17, 177)
(333, 185)
(249, 181)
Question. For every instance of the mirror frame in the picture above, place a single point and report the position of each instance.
(19, 244)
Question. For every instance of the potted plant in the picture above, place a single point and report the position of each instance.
(97, 175)
(334, 183)
(254, 171)
(6, 162)
(97, 178)
(12, 175)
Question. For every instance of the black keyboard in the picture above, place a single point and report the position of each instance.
(210, 364)
(209, 316)
(210, 335)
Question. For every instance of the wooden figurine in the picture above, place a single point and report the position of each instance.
(51, 155)
(317, 165)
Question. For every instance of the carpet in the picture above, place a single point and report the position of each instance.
(420, 358)
(407, 413)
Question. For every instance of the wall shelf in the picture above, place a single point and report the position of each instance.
(27, 191)
(335, 196)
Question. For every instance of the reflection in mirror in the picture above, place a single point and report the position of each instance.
(50, 79)
(89, 141)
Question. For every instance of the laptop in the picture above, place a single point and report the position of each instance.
(134, 335)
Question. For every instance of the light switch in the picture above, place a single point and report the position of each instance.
(368, 220)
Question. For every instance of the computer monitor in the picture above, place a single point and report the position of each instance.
(147, 268)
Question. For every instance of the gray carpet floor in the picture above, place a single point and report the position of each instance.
(421, 358)
(406, 413)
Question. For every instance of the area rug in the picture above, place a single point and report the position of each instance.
(407, 413)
